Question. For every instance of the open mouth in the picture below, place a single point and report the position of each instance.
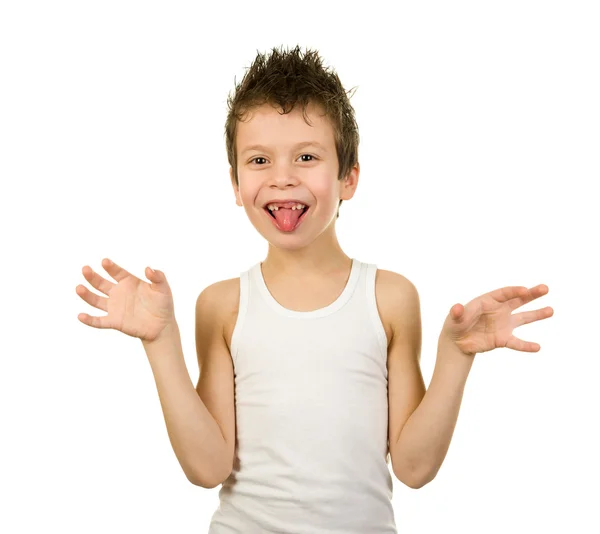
(284, 224)
(272, 214)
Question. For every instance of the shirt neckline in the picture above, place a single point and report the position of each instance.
(321, 312)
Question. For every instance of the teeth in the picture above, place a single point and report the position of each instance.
(274, 207)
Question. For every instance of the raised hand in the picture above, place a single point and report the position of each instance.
(135, 307)
(487, 322)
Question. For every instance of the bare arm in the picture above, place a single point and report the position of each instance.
(425, 438)
(194, 434)
(146, 311)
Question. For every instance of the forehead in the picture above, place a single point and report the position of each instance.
(268, 126)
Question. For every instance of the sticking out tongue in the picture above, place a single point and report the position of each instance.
(287, 218)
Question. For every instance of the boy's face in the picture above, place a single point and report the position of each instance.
(281, 169)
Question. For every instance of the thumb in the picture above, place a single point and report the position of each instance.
(457, 311)
(155, 276)
(158, 281)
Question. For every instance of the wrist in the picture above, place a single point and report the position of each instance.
(166, 335)
(452, 365)
(447, 348)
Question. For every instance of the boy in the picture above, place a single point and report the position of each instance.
(309, 361)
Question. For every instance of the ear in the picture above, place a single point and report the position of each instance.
(349, 184)
(236, 189)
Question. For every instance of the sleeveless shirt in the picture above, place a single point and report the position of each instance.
(311, 404)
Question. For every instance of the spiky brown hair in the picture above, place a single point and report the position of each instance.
(285, 78)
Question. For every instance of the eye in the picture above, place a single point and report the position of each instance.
(306, 161)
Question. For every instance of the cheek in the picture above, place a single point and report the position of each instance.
(248, 194)
(325, 192)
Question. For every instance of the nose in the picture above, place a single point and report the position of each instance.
(283, 176)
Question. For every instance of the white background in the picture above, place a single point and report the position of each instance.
(479, 154)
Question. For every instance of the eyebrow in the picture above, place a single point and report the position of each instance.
(299, 145)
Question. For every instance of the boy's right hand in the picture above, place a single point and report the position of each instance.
(134, 307)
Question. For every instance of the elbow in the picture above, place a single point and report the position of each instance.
(197, 482)
(202, 482)
(412, 480)
(416, 484)
(208, 482)
(419, 481)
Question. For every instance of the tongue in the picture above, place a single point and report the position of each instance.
(287, 218)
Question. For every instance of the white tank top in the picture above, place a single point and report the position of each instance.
(311, 404)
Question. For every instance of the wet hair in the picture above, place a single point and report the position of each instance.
(284, 79)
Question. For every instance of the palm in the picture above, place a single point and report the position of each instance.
(487, 322)
(136, 309)
(133, 306)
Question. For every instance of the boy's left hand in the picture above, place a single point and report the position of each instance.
(486, 322)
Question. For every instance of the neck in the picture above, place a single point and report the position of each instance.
(321, 258)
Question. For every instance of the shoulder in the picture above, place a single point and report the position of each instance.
(224, 299)
(398, 298)
(224, 294)
(222, 289)
(392, 281)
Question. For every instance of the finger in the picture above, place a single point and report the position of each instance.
(116, 271)
(159, 280)
(468, 314)
(457, 312)
(101, 284)
(531, 316)
(91, 298)
(533, 293)
(156, 276)
(96, 322)
(524, 346)
(504, 294)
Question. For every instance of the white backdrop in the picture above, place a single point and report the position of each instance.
(479, 157)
